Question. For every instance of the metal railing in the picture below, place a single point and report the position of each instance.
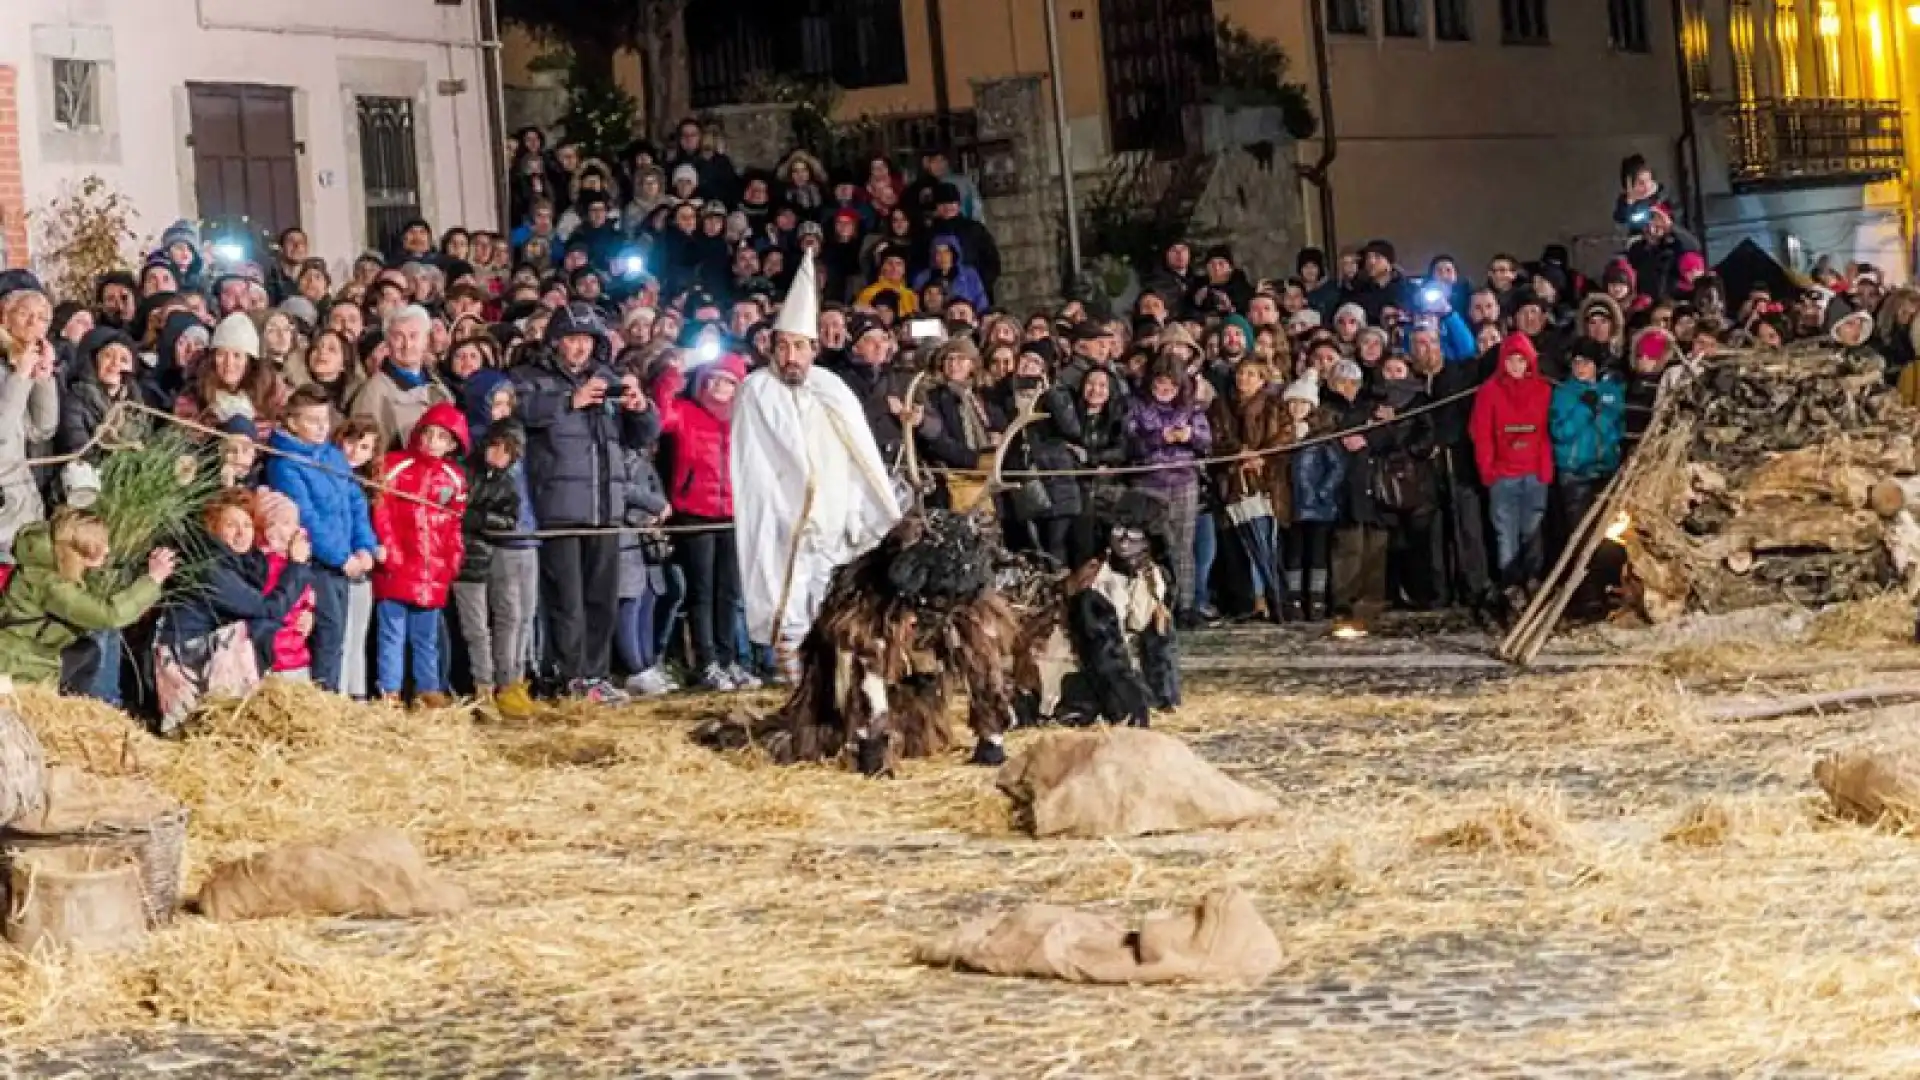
(1809, 142)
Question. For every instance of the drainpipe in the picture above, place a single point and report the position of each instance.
(1316, 174)
(494, 87)
(1065, 137)
(1686, 149)
(942, 99)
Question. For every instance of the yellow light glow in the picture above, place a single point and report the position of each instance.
(1617, 529)
(1913, 14)
(1349, 633)
(1877, 47)
(1786, 35)
(1828, 23)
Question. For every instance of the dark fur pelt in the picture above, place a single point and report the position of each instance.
(916, 617)
(1106, 681)
(1100, 645)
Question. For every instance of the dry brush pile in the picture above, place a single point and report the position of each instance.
(1779, 476)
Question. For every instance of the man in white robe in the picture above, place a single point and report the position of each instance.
(810, 490)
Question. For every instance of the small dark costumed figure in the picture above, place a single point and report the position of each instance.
(1105, 649)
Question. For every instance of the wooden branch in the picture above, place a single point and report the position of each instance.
(1877, 697)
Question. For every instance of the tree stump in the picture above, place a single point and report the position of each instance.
(78, 897)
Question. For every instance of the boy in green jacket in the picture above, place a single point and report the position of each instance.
(47, 607)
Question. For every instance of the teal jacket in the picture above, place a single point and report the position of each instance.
(1586, 430)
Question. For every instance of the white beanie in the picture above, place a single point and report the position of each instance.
(686, 171)
(1348, 370)
(1305, 388)
(1359, 313)
(236, 332)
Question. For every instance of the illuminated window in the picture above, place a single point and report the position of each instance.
(1831, 80)
(1740, 33)
(1786, 38)
(1693, 44)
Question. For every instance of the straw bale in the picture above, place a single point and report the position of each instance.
(77, 801)
(23, 767)
(1872, 785)
(1123, 782)
(371, 873)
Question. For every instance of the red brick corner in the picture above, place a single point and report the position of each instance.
(13, 191)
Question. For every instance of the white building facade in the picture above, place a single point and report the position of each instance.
(343, 117)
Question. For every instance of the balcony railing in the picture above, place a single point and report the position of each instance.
(1811, 142)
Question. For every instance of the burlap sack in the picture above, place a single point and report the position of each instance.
(1223, 939)
(23, 767)
(371, 874)
(1872, 784)
(79, 801)
(1122, 782)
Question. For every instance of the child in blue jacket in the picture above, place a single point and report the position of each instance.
(314, 473)
(1586, 422)
(1319, 485)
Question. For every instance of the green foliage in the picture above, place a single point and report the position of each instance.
(841, 145)
(149, 499)
(600, 116)
(1253, 74)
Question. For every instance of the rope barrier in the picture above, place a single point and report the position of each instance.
(106, 438)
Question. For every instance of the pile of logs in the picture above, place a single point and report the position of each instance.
(1778, 476)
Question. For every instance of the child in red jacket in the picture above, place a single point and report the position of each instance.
(1515, 455)
(418, 522)
(276, 521)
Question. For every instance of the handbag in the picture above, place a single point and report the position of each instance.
(1400, 484)
(656, 547)
(1030, 500)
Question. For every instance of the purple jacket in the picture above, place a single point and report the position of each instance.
(1147, 444)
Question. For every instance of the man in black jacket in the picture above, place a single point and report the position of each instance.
(1380, 284)
(1462, 555)
(879, 383)
(580, 418)
(977, 247)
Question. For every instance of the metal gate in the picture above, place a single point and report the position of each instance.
(389, 169)
(244, 154)
(1160, 56)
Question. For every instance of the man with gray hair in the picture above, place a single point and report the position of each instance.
(405, 387)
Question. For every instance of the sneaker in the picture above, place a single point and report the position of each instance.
(597, 692)
(743, 679)
(715, 677)
(649, 683)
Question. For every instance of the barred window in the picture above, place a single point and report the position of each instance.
(1452, 21)
(1401, 18)
(1627, 25)
(1348, 17)
(1523, 22)
(76, 95)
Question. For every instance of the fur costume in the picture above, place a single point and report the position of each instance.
(1105, 649)
(899, 626)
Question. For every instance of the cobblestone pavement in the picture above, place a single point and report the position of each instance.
(1491, 996)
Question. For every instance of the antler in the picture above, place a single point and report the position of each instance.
(1028, 414)
(907, 441)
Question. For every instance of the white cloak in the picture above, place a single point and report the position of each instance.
(783, 437)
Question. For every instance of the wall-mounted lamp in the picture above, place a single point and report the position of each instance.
(1913, 14)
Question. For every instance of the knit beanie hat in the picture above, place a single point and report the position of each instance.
(1305, 388)
(237, 332)
(1355, 310)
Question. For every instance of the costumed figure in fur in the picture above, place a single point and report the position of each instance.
(1105, 649)
(903, 625)
(899, 628)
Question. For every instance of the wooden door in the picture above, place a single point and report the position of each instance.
(1159, 57)
(245, 155)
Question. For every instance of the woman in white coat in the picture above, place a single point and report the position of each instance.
(29, 404)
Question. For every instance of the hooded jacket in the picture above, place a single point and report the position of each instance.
(1147, 428)
(84, 404)
(1587, 422)
(700, 481)
(962, 282)
(1510, 420)
(332, 507)
(575, 463)
(423, 542)
(493, 506)
(241, 587)
(42, 613)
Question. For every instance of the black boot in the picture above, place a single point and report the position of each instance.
(989, 753)
(872, 756)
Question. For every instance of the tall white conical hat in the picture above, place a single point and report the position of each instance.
(800, 315)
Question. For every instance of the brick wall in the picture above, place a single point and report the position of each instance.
(13, 219)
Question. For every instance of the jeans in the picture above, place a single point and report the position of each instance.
(1518, 504)
(476, 629)
(578, 576)
(1206, 546)
(634, 641)
(713, 591)
(328, 642)
(667, 612)
(408, 633)
(106, 679)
